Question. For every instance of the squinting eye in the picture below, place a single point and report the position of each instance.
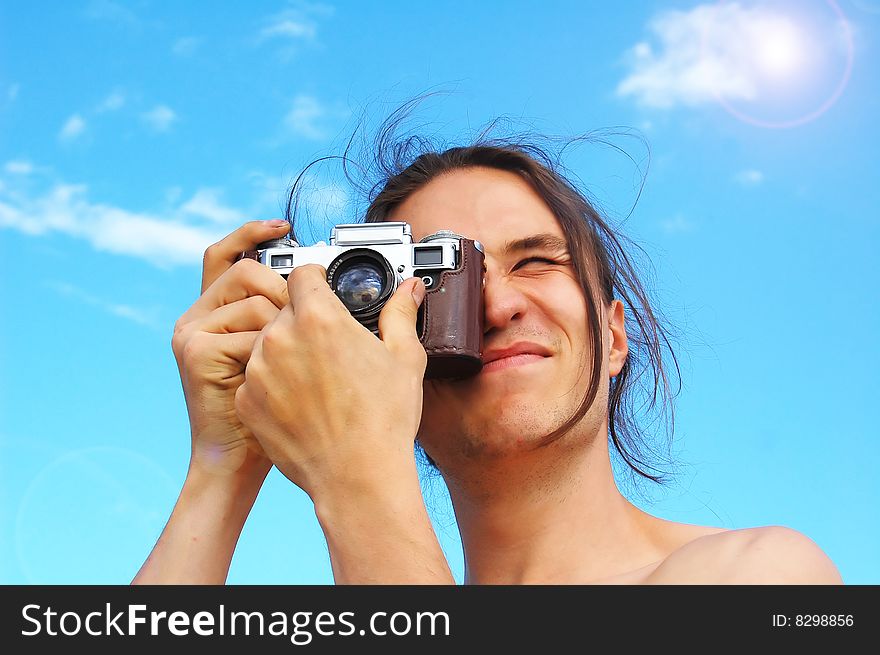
(542, 260)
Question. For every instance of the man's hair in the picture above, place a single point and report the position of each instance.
(600, 258)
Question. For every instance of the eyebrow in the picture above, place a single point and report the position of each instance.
(544, 241)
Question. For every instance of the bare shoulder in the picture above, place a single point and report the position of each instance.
(765, 555)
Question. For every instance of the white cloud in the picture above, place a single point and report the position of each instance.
(304, 117)
(289, 28)
(164, 240)
(206, 203)
(35, 203)
(73, 128)
(186, 46)
(677, 225)
(711, 51)
(111, 11)
(19, 167)
(749, 177)
(112, 102)
(292, 28)
(146, 317)
(297, 23)
(148, 237)
(160, 118)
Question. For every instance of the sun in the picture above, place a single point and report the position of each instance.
(788, 61)
(779, 48)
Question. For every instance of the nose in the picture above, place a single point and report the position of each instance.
(503, 302)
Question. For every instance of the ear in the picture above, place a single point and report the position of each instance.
(618, 346)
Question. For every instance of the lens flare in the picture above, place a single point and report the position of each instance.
(793, 60)
(781, 50)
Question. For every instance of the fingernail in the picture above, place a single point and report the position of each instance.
(275, 223)
(418, 291)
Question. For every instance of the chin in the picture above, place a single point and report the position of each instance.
(493, 432)
(499, 393)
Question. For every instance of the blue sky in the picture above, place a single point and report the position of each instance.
(133, 135)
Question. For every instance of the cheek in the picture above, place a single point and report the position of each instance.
(566, 310)
(563, 307)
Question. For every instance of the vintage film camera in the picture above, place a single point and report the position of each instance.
(366, 262)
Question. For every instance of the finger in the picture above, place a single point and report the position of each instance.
(307, 285)
(243, 279)
(237, 346)
(223, 254)
(240, 345)
(397, 321)
(249, 314)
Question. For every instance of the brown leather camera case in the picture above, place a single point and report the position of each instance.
(452, 319)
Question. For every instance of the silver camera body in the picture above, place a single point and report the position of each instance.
(366, 262)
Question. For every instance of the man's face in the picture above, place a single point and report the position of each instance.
(533, 304)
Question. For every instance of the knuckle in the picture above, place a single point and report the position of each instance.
(247, 266)
(194, 350)
(297, 272)
(263, 308)
(255, 382)
(211, 253)
(273, 339)
(179, 328)
(305, 270)
(242, 401)
(296, 275)
(419, 357)
(308, 271)
(312, 316)
(240, 273)
(254, 366)
(179, 337)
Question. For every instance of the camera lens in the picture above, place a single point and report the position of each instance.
(360, 285)
(363, 280)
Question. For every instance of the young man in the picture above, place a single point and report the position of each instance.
(280, 373)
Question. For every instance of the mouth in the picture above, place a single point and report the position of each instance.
(517, 355)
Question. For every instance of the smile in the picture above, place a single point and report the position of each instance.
(513, 361)
(521, 353)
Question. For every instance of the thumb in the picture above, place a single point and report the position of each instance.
(397, 320)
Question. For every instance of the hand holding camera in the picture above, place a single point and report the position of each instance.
(248, 310)
(212, 342)
(329, 402)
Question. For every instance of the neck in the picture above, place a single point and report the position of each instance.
(552, 515)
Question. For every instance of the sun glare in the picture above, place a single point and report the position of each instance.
(783, 63)
(779, 49)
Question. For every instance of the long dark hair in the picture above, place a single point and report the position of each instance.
(601, 258)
